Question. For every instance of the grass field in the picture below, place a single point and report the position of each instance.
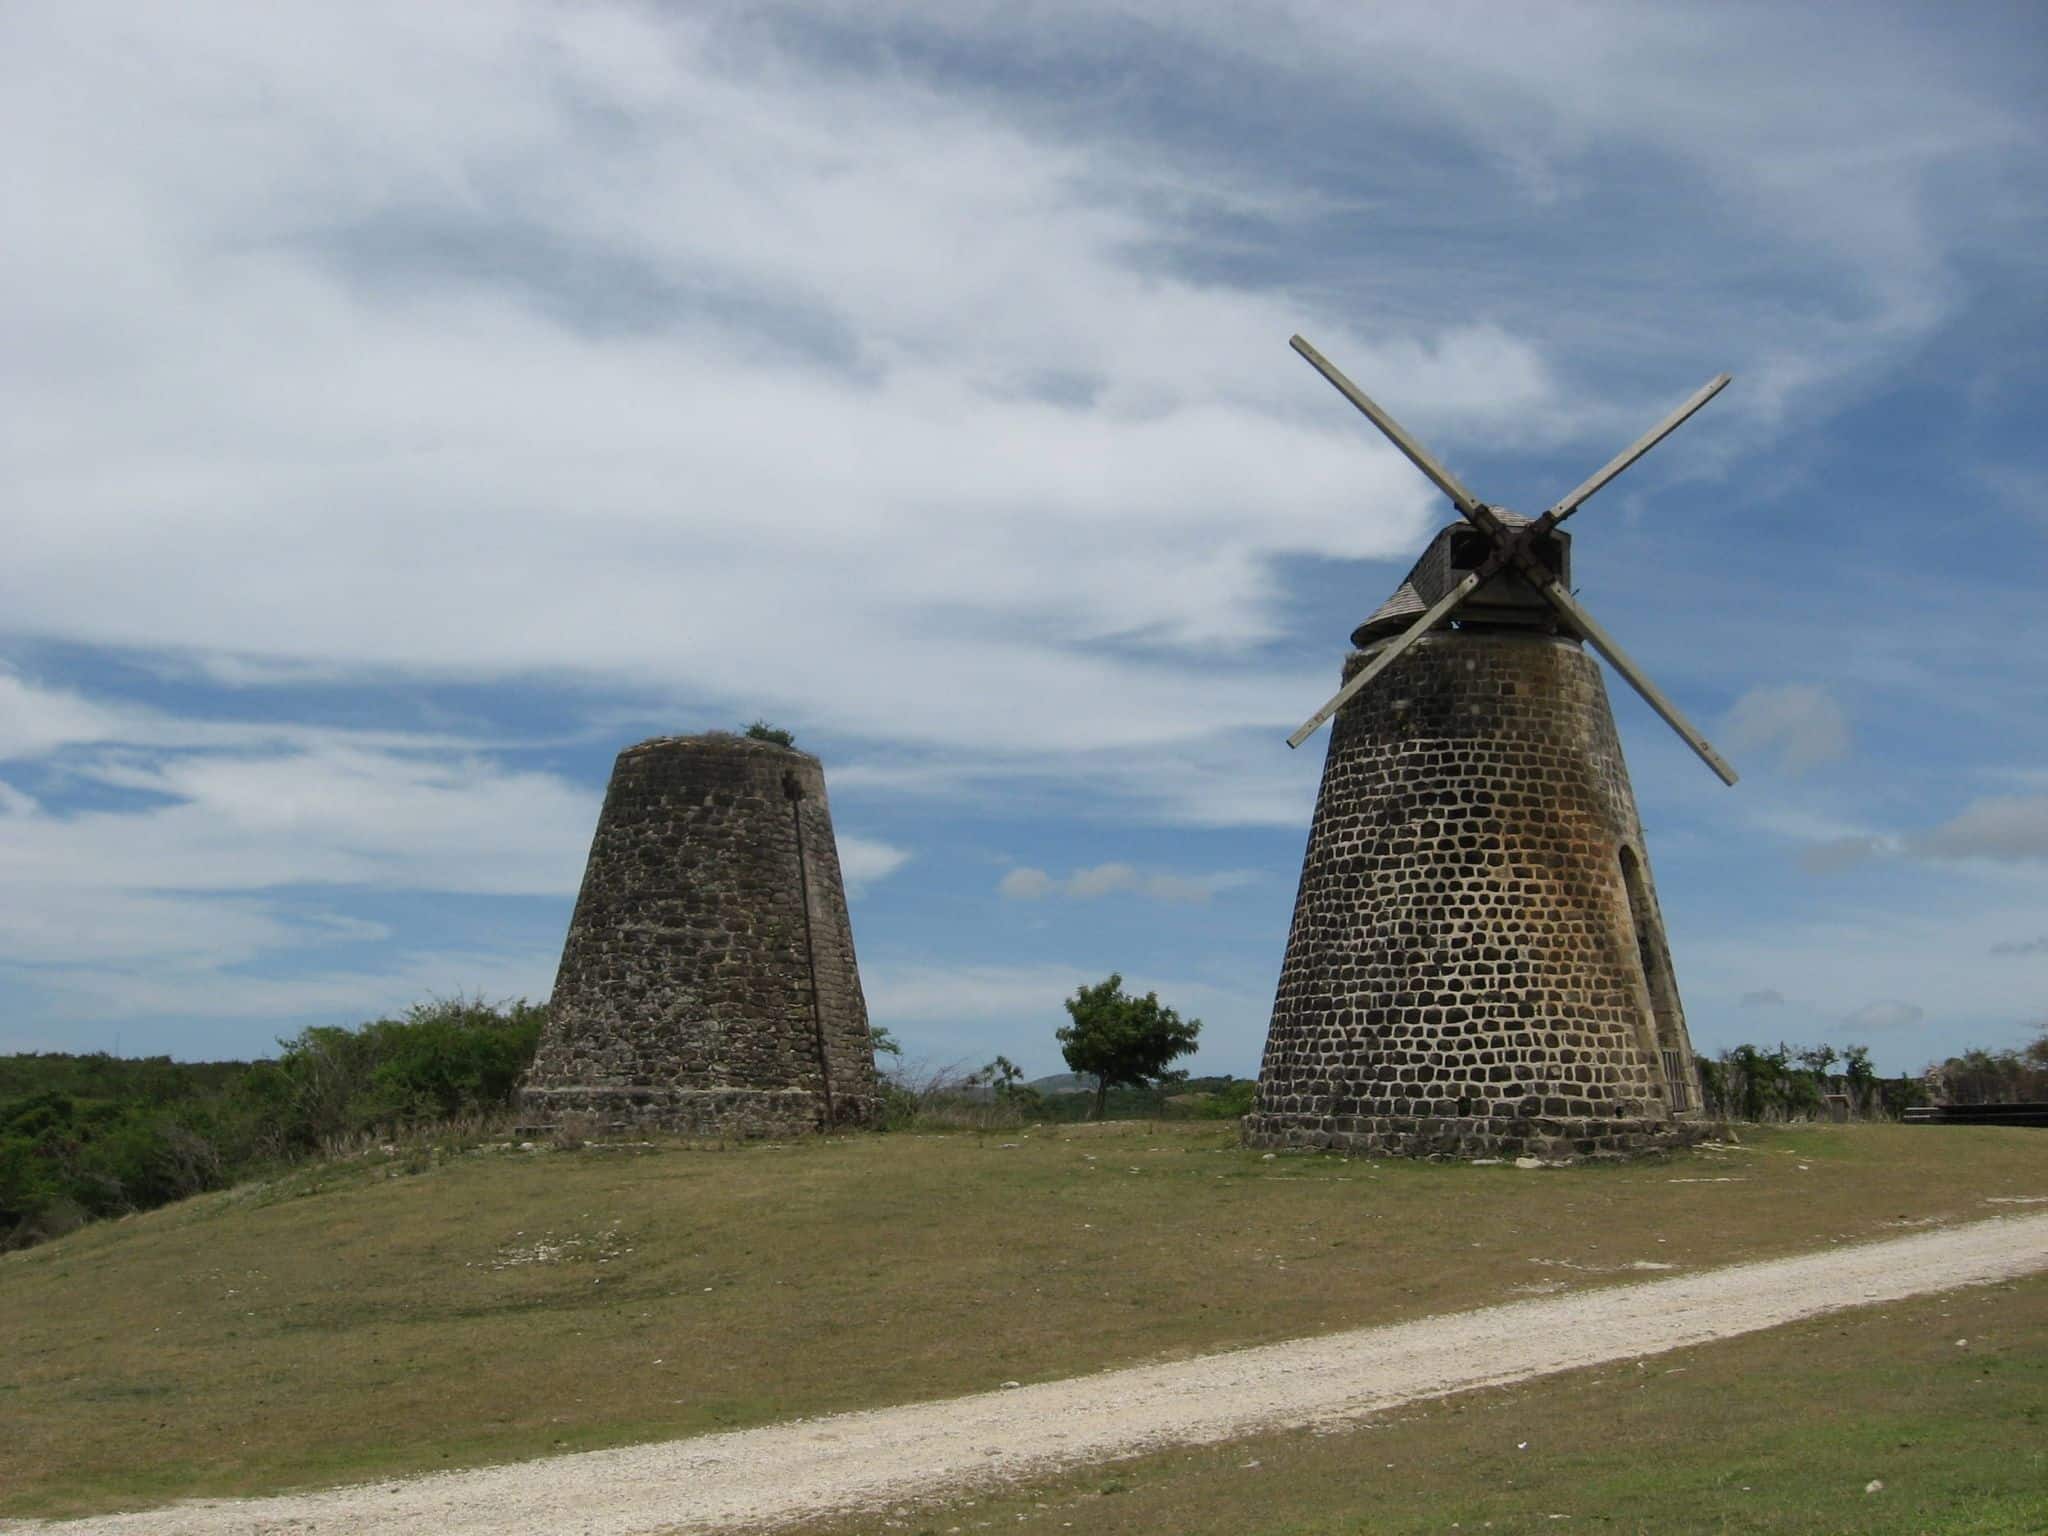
(364, 1320)
(1780, 1432)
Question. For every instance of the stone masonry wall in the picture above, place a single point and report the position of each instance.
(708, 983)
(1464, 974)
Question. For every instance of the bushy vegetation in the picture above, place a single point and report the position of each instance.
(1993, 1077)
(1781, 1083)
(1124, 1041)
(947, 1099)
(87, 1137)
(84, 1137)
(1784, 1083)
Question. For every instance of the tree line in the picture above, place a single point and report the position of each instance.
(88, 1137)
(84, 1137)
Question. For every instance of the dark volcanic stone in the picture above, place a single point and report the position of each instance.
(708, 984)
(1477, 964)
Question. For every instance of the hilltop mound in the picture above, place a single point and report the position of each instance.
(384, 1315)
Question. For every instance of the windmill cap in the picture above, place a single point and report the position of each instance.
(1392, 616)
(1452, 551)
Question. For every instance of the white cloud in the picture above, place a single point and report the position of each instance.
(699, 355)
(482, 391)
(1801, 724)
(2004, 828)
(1237, 778)
(1691, 112)
(170, 899)
(865, 860)
(1101, 880)
(1115, 878)
(1885, 1015)
(1026, 884)
(327, 815)
(564, 491)
(35, 720)
(163, 901)
(1836, 854)
(937, 994)
(1852, 956)
(71, 994)
(38, 721)
(50, 925)
(1766, 997)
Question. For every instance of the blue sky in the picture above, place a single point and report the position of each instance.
(406, 407)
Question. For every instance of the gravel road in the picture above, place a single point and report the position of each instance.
(759, 1477)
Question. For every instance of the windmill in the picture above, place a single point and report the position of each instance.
(708, 984)
(1477, 962)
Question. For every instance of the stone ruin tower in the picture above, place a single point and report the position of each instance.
(708, 983)
(1477, 963)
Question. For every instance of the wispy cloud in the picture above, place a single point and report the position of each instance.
(334, 815)
(75, 994)
(2003, 828)
(1885, 1015)
(1839, 853)
(1801, 724)
(982, 339)
(1026, 883)
(865, 860)
(917, 377)
(1992, 829)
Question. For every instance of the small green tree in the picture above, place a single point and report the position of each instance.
(1001, 1075)
(1818, 1059)
(1119, 1039)
(761, 730)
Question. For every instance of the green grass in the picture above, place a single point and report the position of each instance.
(362, 1320)
(1781, 1431)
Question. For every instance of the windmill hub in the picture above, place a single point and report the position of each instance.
(1505, 595)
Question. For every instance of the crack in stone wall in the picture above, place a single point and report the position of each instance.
(1464, 974)
(708, 984)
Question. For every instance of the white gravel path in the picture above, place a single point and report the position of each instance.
(759, 1477)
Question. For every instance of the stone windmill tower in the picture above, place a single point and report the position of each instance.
(1477, 963)
(708, 983)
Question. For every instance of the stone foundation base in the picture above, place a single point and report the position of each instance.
(1472, 1136)
(725, 1113)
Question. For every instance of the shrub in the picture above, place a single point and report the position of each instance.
(444, 1058)
(96, 1136)
(918, 1097)
(1992, 1077)
(1121, 1040)
(1752, 1083)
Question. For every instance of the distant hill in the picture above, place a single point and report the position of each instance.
(1064, 1082)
